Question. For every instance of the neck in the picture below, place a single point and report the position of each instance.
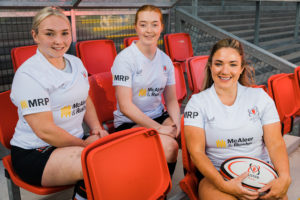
(227, 96)
(148, 51)
(58, 63)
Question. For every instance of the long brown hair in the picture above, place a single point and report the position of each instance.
(247, 76)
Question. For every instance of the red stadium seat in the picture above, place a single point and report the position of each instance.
(196, 72)
(287, 99)
(129, 164)
(179, 47)
(102, 94)
(180, 83)
(297, 77)
(129, 40)
(189, 184)
(8, 121)
(21, 54)
(270, 83)
(97, 55)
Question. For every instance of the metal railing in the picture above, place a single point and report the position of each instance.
(204, 35)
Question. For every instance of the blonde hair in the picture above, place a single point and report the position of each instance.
(44, 13)
(246, 77)
(149, 8)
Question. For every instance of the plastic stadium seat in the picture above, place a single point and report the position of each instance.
(21, 54)
(129, 164)
(270, 82)
(189, 184)
(297, 77)
(8, 121)
(97, 55)
(102, 94)
(196, 72)
(287, 99)
(179, 47)
(129, 40)
(180, 83)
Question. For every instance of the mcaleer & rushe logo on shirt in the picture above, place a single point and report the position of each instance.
(234, 142)
(76, 108)
(34, 103)
(190, 114)
(150, 92)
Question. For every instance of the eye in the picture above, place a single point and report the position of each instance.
(49, 34)
(65, 33)
(233, 65)
(142, 25)
(218, 64)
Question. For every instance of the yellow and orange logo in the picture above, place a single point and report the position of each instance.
(24, 104)
(66, 111)
(221, 143)
(142, 92)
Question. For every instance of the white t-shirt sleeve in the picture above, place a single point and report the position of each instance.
(171, 73)
(269, 114)
(121, 71)
(193, 114)
(28, 95)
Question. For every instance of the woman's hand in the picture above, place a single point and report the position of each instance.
(278, 188)
(90, 139)
(99, 131)
(234, 187)
(170, 131)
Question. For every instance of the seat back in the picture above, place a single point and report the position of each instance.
(97, 55)
(178, 46)
(270, 83)
(20, 54)
(129, 164)
(128, 40)
(180, 83)
(262, 87)
(189, 184)
(196, 72)
(102, 94)
(287, 99)
(8, 119)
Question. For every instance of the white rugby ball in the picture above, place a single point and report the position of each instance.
(260, 172)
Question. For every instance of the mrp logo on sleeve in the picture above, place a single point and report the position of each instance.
(34, 103)
(122, 78)
(190, 114)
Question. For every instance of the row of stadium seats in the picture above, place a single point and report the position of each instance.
(98, 55)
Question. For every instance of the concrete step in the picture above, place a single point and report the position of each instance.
(271, 36)
(250, 32)
(293, 57)
(285, 49)
(270, 44)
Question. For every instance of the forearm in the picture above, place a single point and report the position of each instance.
(58, 137)
(174, 112)
(136, 115)
(279, 158)
(90, 117)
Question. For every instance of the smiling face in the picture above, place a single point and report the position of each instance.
(226, 68)
(53, 37)
(148, 27)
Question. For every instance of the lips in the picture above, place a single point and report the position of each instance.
(225, 78)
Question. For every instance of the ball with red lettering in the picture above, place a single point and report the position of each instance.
(260, 172)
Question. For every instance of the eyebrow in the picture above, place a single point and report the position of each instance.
(54, 30)
(229, 61)
(147, 21)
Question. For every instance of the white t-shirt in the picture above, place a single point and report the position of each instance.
(39, 87)
(232, 130)
(147, 79)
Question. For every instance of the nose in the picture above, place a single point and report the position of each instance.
(148, 28)
(225, 69)
(58, 39)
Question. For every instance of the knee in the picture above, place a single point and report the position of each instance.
(171, 150)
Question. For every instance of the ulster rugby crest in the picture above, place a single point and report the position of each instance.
(253, 113)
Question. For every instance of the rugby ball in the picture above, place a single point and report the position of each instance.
(260, 172)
